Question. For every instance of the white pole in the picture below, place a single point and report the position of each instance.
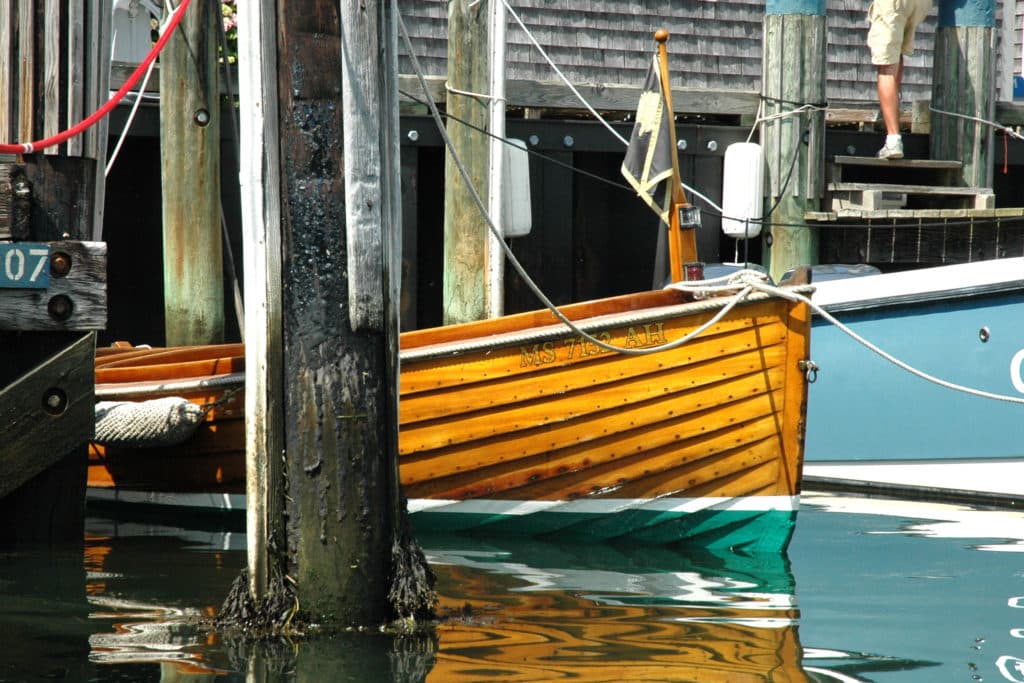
(495, 289)
(260, 181)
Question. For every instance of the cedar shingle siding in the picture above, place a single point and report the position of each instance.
(715, 44)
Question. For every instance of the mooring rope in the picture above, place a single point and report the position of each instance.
(994, 124)
(796, 296)
(96, 116)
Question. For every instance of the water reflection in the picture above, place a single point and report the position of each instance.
(148, 586)
(542, 611)
(911, 593)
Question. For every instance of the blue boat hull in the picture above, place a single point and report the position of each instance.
(864, 410)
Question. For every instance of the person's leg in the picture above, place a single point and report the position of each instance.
(889, 80)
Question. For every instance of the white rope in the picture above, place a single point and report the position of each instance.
(795, 296)
(792, 112)
(470, 93)
(994, 124)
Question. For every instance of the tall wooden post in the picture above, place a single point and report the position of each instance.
(963, 82)
(334, 495)
(793, 74)
(190, 180)
(465, 232)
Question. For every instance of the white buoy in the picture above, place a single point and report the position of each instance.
(742, 190)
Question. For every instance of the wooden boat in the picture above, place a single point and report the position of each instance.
(618, 426)
(517, 423)
(874, 425)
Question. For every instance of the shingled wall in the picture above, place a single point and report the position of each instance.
(714, 44)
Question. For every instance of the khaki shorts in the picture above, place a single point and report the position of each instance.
(892, 28)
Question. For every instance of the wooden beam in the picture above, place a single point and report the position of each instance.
(47, 412)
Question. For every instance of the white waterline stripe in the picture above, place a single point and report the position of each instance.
(483, 506)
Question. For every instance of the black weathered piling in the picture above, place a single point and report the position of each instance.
(322, 317)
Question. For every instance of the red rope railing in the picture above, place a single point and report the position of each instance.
(94, 118)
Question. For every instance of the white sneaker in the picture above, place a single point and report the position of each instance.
(894, 151)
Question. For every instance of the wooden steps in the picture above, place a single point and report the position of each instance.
(869, 184)
(911, 213)
(876, 196)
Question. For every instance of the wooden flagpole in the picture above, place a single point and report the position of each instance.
(682, 243)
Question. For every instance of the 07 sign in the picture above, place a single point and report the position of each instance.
(24, 265)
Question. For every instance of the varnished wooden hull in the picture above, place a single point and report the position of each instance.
(517, 425)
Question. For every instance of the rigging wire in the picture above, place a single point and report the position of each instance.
(579, 96)
(510, 255)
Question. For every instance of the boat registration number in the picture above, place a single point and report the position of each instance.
(24, 265)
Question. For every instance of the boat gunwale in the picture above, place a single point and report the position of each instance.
(475, 338)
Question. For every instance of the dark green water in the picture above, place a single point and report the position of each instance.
(869, 590)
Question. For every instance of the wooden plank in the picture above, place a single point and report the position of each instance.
(527, 353)
(612, 97)
(963, 85)
(361, 93)
(930, 164)
(600, 438)
(624, 458)
(26, 72)
(84, 289)
(74, 59)
(759, 454)
(51, 71)
(6, 70)
(465, 281)
(580, 365)
(909, 189)
(47, 412)
(794, 402)
(565, 407)
(793, 72)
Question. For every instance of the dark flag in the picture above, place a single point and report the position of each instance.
(648, 162)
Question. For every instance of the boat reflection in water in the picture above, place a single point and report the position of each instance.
(511, 610)
(541, 611)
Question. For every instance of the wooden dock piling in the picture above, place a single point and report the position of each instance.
(963, 89)
(322, 464)
(793, 75)
(465, 284)
(190, 179)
